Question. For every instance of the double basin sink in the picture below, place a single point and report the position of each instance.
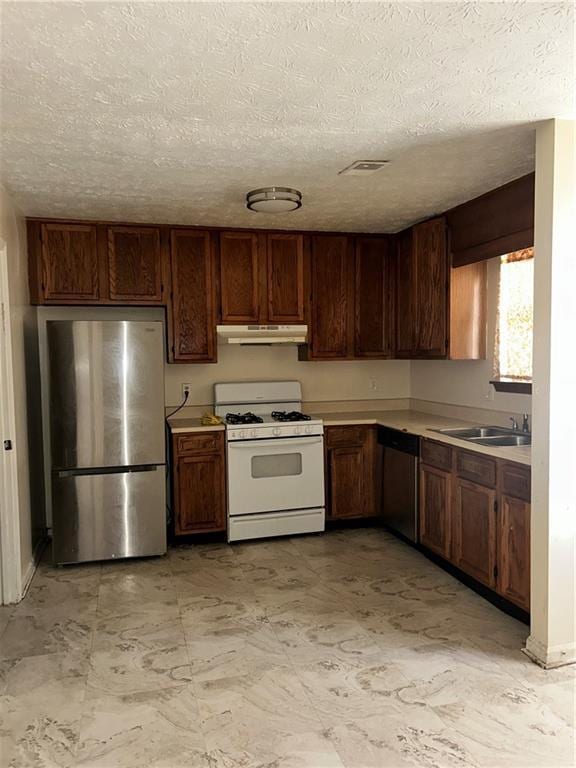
(489, 435)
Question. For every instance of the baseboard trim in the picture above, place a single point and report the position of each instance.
(550, 658)
(32, 566)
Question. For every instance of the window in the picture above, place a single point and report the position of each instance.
(513, 352)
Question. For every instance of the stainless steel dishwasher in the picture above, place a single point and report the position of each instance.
(400, 481)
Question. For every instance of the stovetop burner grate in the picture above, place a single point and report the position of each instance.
(290, 416)
(243, 418)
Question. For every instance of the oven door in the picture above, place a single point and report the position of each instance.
(275, 475)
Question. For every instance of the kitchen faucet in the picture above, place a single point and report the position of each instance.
(514, 423)
(525, 423)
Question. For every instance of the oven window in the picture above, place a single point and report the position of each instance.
(277, 466)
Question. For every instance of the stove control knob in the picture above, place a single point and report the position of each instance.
(308, 430)
(242, 434)
(253, 432)
(276, 431)
(297, 430)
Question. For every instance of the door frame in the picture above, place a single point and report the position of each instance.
(10, 570)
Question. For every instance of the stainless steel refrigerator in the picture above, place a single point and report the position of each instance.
(106, 395)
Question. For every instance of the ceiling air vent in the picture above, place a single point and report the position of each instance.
(361, 167)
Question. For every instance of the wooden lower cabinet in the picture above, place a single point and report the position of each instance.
(435, 509)
(351, 484)
(474, 530)
(199, 483)
(480, 525)
(514, 551)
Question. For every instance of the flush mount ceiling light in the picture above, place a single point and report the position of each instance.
(274, 200)
(361, 167)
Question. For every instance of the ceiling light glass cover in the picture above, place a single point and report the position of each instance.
(274, 200)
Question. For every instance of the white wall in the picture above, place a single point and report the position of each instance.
(22, 322)
(466, 382)
(321, 381)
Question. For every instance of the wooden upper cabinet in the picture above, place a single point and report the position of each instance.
(331, 276)
(192, 317)
(435, 509)
(285, 278)
(69, 264)
(240, 277)
(474, 530)
(430, 288)
(404, 300)
(373, 300)
(135, 265)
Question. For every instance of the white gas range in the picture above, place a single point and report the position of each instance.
(275, 460)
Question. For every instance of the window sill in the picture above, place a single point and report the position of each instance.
(515, 386)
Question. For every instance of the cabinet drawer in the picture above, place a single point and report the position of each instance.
(477, 468)
(201, 442)
(515, 481)
(436, 454)
(336, 436)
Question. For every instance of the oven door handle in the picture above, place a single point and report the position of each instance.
(274, 442)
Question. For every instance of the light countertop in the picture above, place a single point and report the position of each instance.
(423, 424)
(414, 422)
(186, 424)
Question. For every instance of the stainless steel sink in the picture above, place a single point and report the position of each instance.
(465, 433)
(503, 440)
(488, 435)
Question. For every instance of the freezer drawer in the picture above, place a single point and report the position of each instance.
(103, 515)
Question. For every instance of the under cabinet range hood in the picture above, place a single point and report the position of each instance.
(258, 335)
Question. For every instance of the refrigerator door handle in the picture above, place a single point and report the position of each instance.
(107, 470)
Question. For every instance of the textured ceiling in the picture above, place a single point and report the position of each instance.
(172, 112)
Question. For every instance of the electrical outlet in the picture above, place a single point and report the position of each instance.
(185, 391)
(373, 384)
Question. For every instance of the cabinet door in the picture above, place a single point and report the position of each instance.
(191, 309)
(373, 302)
(435, 509)
(430, 285)
(135, 265)
(239, 277)
(285, 278)
(474, 530)
(347, 491)
(70, 264)
(200, 502)
(332, 277)
(514, 551)
(404, 309)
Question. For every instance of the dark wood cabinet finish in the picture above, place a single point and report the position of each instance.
(192, 321)
(135, 265)
(373, 298)
(436, 454)
(331, 276)
(285, 278)
(404, 302)
(435, 509)
(240, 277)
(70, 270)
(475, 467)
(430, 287)
(199, 484)
(351, 472)
(475, 513)
(474, 531)
(514, 551)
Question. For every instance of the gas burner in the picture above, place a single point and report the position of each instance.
(243, 418)
(290, 416)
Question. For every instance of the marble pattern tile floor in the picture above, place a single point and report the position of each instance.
(347, 650)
